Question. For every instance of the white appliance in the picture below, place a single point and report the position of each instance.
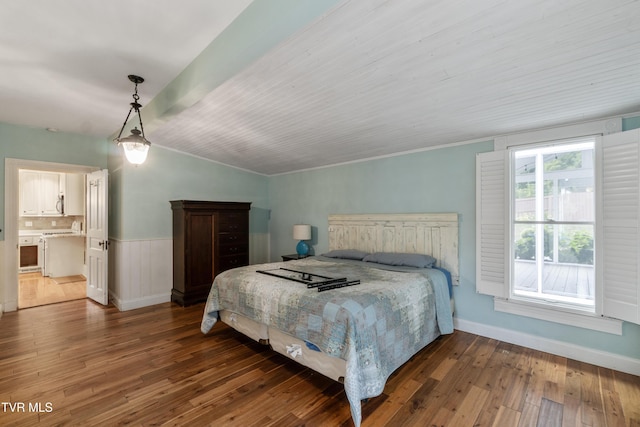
(63, 254)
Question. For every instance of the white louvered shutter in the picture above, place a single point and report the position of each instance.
(491, 224)
(621, 225)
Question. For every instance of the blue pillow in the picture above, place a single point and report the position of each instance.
(346, 254)
(402, 259)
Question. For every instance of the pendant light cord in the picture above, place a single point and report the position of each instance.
(134, 106)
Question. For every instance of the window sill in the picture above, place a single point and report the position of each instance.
(559, 315)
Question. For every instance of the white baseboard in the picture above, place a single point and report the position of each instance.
(10, 306)
(559, 348)
(132, 304)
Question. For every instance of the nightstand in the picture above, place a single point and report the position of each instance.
(292, 257)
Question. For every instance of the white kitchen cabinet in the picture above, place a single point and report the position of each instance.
(49, 198)
(39, 193)
(64, 255)
(29, 193)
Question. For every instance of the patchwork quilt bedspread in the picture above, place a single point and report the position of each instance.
(375, 326)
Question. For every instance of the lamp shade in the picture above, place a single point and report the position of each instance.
(136, 153)
(135, 147)
(302, 232)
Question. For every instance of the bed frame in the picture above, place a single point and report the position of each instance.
(434, 234)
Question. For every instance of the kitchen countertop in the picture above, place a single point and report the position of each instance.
(26, 233)
(60, 236)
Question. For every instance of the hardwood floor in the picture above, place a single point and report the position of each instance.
(77, 363)
(35, 290)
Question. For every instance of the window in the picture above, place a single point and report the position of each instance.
(553, 223)
(558, 228)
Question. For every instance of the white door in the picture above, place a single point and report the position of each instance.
(97, 236)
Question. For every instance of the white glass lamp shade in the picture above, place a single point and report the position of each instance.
(302, 232)
(135, 147)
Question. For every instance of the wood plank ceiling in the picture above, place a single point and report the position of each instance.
(375, 78)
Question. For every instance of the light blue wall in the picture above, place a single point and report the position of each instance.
(403, 184)
(140, 195)
(20, 142)
(440, 180)
(631, 123)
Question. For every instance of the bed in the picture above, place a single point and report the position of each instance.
(400, 269)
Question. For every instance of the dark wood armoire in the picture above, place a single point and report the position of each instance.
(208, 238)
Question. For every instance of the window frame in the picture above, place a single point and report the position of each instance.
(551, 302)
(493, 243)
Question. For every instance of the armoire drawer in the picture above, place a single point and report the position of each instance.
(232, 238)
(228, 226)
(234, 249)
(229, 262)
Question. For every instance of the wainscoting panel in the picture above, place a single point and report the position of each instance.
(140, 272)
(258, 248)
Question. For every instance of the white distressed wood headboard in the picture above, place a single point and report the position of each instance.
(434, 234)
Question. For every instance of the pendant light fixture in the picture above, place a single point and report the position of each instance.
(135, 145)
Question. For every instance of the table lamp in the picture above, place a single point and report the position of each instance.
(302, 232)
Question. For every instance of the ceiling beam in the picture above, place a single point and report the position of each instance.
(259, 28)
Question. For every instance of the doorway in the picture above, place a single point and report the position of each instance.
(51, 219)
(98, 180)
